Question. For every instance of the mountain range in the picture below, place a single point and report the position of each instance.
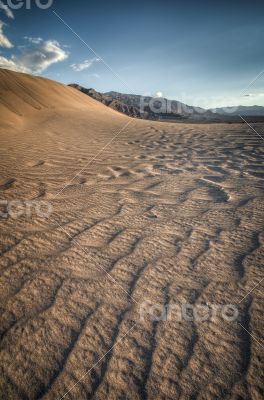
(242, 110)
(146, 107)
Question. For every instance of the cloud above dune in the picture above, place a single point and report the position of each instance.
(9, 64)
(9, 13)
(4, 41)
(40, 57)
(85, 64)
(36, 58)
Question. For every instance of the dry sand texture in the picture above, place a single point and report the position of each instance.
(169, 213)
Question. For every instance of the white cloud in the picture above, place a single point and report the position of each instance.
(35, 59)
(84, 65)
(6, 9)
(4, 41)
(158, 94)
(9, 64)
(38, 58)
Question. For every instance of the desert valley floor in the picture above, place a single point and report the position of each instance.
(162, 214)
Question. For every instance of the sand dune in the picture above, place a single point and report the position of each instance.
(167, 214)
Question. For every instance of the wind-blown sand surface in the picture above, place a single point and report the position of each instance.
(168, 213)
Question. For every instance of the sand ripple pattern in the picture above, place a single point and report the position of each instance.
(168, 213)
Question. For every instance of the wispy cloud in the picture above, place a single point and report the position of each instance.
(34, 40)
(37, 58)
(94, 76)
(9, 13)
(84, 65)
(253, 95)
(4, 41)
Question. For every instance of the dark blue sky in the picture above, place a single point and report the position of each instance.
(204, 53)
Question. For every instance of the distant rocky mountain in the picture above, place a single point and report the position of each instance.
(158, 106)
(146, 107)
(109, 101)
(162, 109)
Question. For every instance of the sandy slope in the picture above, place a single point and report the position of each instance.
(169, 213)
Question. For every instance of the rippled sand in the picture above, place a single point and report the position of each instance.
(160, 213)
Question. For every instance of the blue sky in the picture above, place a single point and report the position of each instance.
(203, 53)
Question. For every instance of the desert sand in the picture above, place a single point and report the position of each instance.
(142, 212)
